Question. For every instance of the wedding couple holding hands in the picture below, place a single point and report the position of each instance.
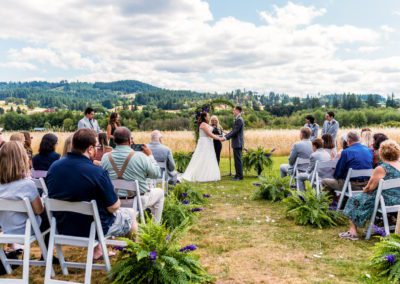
(204, 165)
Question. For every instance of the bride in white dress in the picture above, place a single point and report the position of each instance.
(203, 166)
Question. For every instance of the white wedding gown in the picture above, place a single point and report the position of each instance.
(203, 166)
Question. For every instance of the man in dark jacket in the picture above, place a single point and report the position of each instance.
(237, 141)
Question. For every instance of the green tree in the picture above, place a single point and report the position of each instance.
(68, 124)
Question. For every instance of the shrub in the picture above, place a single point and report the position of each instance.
(185, 191)
(176, 214)
(308, 208)
(182, 160)
(156, 257)
(385, 262)
(273, 188)
(257, 159)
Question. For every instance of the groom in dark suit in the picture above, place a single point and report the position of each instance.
(237, 142)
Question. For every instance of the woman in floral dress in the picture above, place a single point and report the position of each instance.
(360, 207)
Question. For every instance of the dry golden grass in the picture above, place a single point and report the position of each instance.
(184, 141)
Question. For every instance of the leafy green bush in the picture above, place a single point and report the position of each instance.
(176, 214)
(182, 160)
(185, 191)
(257, 159)
(308, 208)
(156, 257)
(273, 188)
(385, 262)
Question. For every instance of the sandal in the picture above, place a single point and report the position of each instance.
(348, 236)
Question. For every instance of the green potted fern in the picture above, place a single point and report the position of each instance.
(182, 160)
(273, 188)
(257, 159)
(385, 263)
(308, 208)
(157, 257)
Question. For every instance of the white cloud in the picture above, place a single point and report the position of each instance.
(175, 44)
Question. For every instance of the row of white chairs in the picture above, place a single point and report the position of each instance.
(57, 240)
(347, 190)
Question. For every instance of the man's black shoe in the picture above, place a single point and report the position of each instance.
(237, 179)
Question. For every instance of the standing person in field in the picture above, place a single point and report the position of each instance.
(217, 130)
(113, 123)
(310, 123)
(237, 136)
(331, 126)
(88, 121)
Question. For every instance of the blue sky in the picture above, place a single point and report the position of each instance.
(296, 47)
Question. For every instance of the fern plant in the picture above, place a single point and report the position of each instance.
(308, 208)
(176, 214)
(156, 257)
(257, 159)
(273, 188)
(182, 160)
(385, 262)
(185, 191)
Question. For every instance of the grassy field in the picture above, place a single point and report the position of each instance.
(282, 140)
(246, 241)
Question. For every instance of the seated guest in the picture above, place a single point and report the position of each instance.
(359, 208)
(28, 145)
(319, 154)
(76, 178)
(1, 137)
(377, 141)
(366, 137)
(139, 166)
(67, 146)
(163, 154)
(357, 157)
(329, 146)
(302, 149)
(103, 146)
(344, 144)
(15, 185)
(310, 123)
(47, 153)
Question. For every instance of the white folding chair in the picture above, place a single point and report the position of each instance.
(380, 206)
(164, 176)
(347, 190)
(41, 186)
(57, 240)
(133, 187)
(299, 162)
(22, 206)
(319, 166)
(38, 174)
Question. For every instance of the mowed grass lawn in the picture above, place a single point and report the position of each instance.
(245, 241)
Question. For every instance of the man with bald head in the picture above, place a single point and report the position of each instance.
(163, 154)
(124, 163)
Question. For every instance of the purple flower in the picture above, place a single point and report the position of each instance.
(153, 256)
(380, 231)
(184, 194)
(197, 209)
(186, 202)
(168, 237)
(390, 259)
(119, 248)
(333, 205)
(206, 195)
(188, 248)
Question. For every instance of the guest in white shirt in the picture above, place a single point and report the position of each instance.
(88, 121)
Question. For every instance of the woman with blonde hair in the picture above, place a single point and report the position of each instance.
(217, 130)
(15, 185)
(359, 207)
(366, 137)
(67, 146)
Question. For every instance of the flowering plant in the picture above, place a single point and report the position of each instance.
(384, 261)
(185, 191)
(157, 257)
(308, 208)
(176, 212)
(273, 188)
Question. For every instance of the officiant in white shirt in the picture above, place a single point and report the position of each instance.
(88, 121)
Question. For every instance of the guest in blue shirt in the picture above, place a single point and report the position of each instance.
(76, 178)
(47, 153)
(356, 157)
